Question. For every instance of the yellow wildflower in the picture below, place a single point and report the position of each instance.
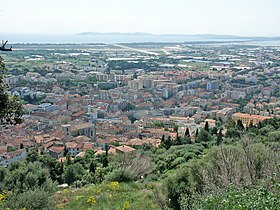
(79, 197)
(91, 200)
(114, 186)
(126, 205)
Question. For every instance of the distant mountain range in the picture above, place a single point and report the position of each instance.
(195, 36)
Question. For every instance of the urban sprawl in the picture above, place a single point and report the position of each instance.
(91, 96)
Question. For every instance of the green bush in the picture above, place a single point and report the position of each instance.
(31, 200)
(244, 164)
(257, 198)
(120, 175)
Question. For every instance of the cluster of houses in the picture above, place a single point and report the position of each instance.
(131, 107)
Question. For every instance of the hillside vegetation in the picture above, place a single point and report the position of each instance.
(237, 170)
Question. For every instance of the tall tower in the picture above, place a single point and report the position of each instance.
(66, 132)
(92, 133)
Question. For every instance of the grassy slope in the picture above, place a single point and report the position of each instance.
(118, 196)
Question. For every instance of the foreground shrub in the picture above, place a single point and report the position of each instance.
(120, 176)
(253, 198)
(31, 199)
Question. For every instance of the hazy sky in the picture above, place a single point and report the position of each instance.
(236, 17)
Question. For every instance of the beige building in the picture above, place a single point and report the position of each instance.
(247, 119)
(136, 84)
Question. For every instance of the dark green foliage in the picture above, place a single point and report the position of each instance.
(22, 176)
(206, 127)
(242, 101)
(89, 155)
(243, 165)
(167, 143)
(32, 156)
(120, 175)
(11, 109)
(240, 125)
(32, 199)
(233, 133)
(73, 173)
(187, 133)
(219, 137)
(203, 136)
(68, 159)
(230, 124)
(196, 133)
(175, 187)
(146, 147)
(266, 130)
(175, 128)
(214, 131)
(3, 174)
(55, 168)
(259, 197)
(92, 167)
(169, 159)
(275, 122)
(178, 141)
(105, 162)
(106, 149)
(158, 124)
(274, 136)
(65, 152)
(33, 99)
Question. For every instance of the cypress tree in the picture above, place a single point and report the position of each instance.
(196, 133)
(92, 167)
(187, 133)
(162, 139)
(219, 137)
(68, 159)
(214, 131)
(105, 162)
(206, 127)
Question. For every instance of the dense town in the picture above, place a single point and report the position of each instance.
(115, 98)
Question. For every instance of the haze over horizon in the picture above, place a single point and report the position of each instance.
(186, 17)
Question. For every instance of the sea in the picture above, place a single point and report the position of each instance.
(114, 39)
